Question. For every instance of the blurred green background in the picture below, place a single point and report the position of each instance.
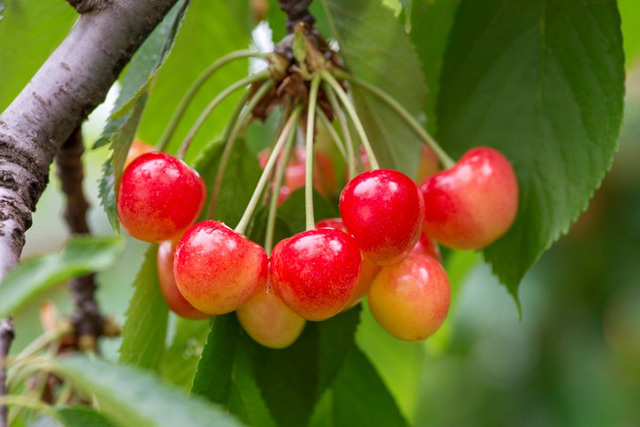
(572, 360)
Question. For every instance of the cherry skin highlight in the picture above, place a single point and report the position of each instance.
(217, 269)
(315, 272)
(137, 149)
(383, 210)
(159, 197)
(368, 271)
(172, 296)
(472, 204)
(269, 321)
(410, 300)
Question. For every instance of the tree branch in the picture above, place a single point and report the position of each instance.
(87, 320)
(6, 337)
(297, 11)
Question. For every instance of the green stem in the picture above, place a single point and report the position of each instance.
(351, 156)
(447, 161)
(230, 141)
(308, 178)
(277, 184)
(213, 104)
(354, 117)
(195, 87)
(273, 157)
(334, 135)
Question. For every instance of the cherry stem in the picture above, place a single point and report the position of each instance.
(354, 117)
(447, 161)
(230, 137)
(308, 178)
(195, 88)
(273, 157)
(351, 156)
(31, 403)
(275, 193)
(334, 135)
(182, 151)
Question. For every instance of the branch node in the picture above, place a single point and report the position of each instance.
(86, 6)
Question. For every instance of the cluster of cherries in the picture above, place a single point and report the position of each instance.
(381, 245)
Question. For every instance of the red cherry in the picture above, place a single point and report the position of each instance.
(172, 296)
(427, 246)
(410, 300)
(472, 204)
(137, 149)
(269, 321)
(429, 163)
(218, 270)
(384, 211)
(315, 272)
(368, 271)
(159, 197)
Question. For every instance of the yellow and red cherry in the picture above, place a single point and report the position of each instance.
(427, 246)
(429, 163)
(383, 210)
(172, 296)
(269, 321)
(137, 149)
(472, 204)
(368, 271)
(217, 269)
(410, 300)
(159, 197)
(315, 272)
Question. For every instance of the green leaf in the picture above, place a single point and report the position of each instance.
(358, 397)
(431, 22)
(226, 374)
(81, 416)
(80, 256)
(291, 380)
(210, 30)
(240, 179)
(132, 397)
(293, 215)
(29, 33)
(144, 331)
(385, 58)
(543, 82)
(630, 13)
(181, 358)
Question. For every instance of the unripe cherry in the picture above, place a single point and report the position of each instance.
(315, 272)
(368, 271)
(137, 149)
(159, 197)
(172, 296)
(217, 269)
(383, 210)
(269, 321)
(410, 300)
(472, 204)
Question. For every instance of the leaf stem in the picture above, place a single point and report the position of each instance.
(334, 135)
(354, 117)
(447, 161)
(195, 87)
(277, 184)
(273, 157)
(351, 156)
(230, 141)
(213, 104)
(308, 178)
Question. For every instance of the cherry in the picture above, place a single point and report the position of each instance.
(137, 149)
(315, 272)
(269, 321)
(217, 269)
(472, 204)
(410, 300)
(427, 246)
(368, 271)
(159, 197)
(384, 211)
(429, 163)
(172, 296)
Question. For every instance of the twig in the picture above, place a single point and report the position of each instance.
(87, 320)
(297, 11)
(6, 337)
